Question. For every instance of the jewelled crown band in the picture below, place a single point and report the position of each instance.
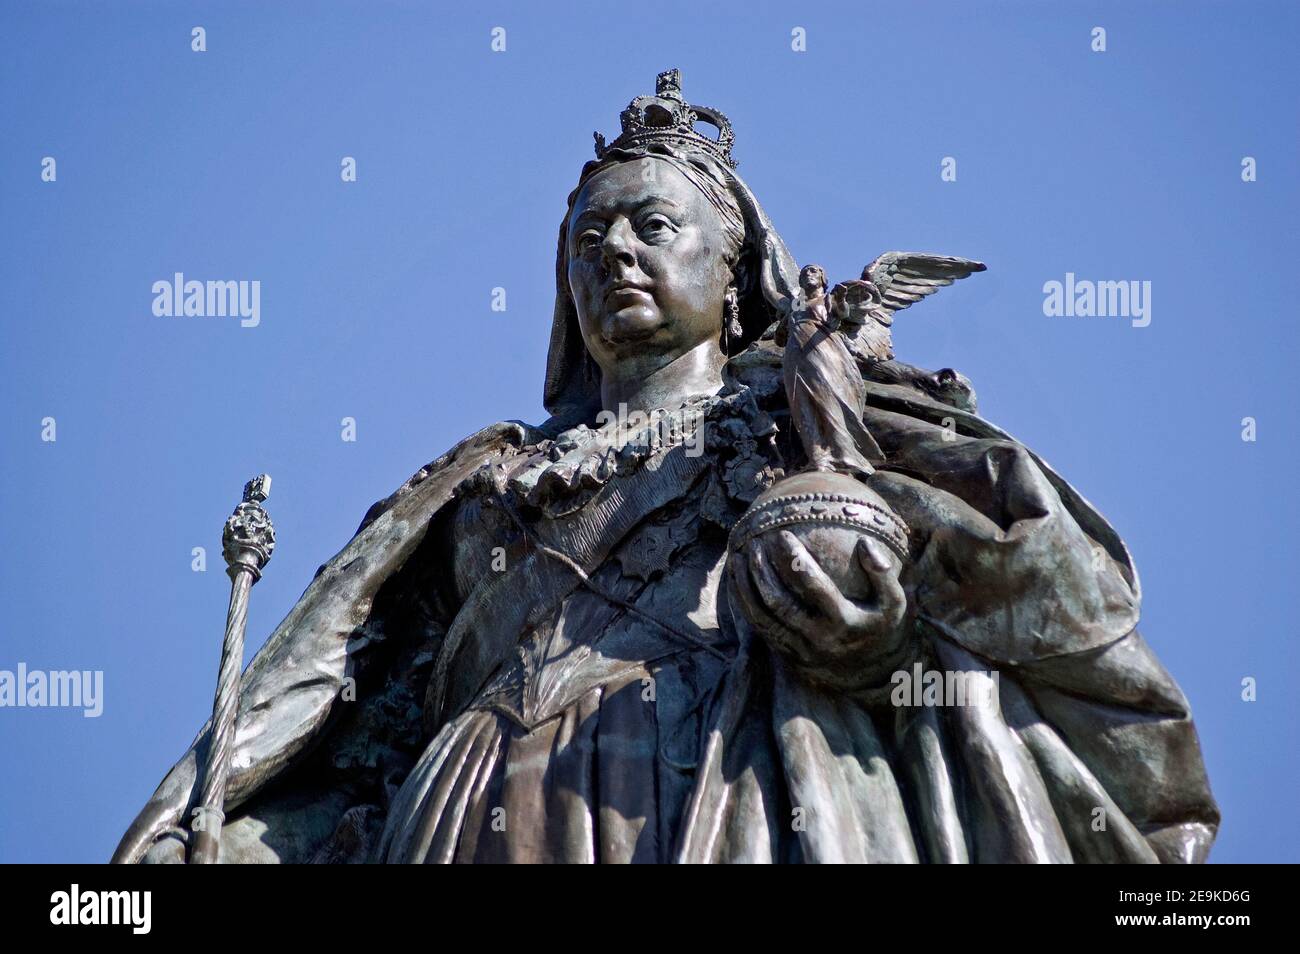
(666, 117)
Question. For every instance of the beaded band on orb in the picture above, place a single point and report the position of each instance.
(833, 509)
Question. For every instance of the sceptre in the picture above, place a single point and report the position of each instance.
(246, 545)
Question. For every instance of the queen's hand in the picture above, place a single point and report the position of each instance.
(820, 585)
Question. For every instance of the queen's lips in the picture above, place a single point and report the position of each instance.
(627, 291)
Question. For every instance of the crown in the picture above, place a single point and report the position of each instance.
(667, 117)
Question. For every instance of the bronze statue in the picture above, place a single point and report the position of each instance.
(733, 601)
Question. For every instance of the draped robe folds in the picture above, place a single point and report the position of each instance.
(559, 726)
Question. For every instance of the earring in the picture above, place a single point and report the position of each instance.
(733, 326)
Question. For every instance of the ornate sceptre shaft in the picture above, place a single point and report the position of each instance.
(246, 544)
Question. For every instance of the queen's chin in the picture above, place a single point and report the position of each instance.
(630, 321)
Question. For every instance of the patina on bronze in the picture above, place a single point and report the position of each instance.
(675, 621)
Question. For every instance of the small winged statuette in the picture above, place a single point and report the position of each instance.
(823, 384)
(832, 338)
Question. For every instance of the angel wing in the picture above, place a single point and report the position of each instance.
(904, 278)
(895, 280)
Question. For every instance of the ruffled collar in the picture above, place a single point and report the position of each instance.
(559, 475)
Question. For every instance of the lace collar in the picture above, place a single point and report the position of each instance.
(582, 459)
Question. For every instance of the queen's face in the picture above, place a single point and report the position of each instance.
(646, 264)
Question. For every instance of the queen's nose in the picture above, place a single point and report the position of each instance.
(616, 249)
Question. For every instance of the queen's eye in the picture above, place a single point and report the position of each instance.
(656, 226)
(588, 240)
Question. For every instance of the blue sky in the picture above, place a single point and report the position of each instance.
(375, 304)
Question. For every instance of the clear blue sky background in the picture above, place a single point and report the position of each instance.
(376, 294)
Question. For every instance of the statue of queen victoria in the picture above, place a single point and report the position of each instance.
(713, 609)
